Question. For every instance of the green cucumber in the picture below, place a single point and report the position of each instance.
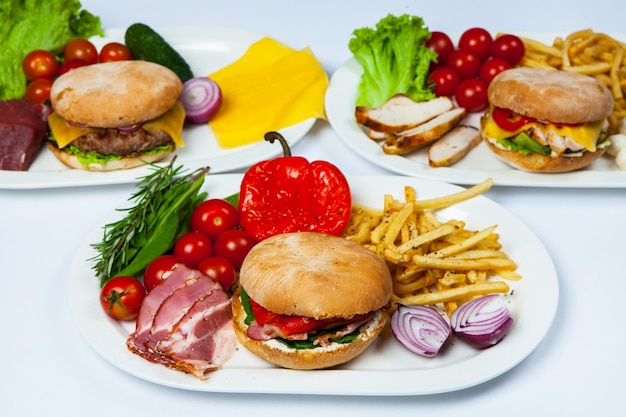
(147, 45)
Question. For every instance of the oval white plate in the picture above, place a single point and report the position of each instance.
(479, 164)
(206, 49)
(386, 368)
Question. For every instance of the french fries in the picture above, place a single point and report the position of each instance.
(431, 261)
(586, 52)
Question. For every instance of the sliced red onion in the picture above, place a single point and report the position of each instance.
(482, 322)
(201, 98)
(131, 128)
(421, 329)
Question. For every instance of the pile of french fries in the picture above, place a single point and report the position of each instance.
(586, 52)
(433, 262)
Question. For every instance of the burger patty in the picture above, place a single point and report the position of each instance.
(117, 142)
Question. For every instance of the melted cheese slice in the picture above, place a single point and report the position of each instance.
(586, 135)
(171, 123)
(269, 88)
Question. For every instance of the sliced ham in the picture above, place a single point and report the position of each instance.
(424, 134)
(400, 113)
(453, 146)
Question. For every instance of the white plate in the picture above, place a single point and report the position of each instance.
(385, 368)
(341, 97)
(206, 49)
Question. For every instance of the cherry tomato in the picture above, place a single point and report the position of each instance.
(115, 51)
(234, 245)
(40, 64)
(478, 41)
(446, 80)
(472, 94)
(220, 269)
(441, 44)
(192, 248)
(465, 63)
(67, 66)
(509, 120)
(508, 47)
(121, 297)
(491, 68)
(38, 91)
(214, 216)
(153, 274)
(80, 49)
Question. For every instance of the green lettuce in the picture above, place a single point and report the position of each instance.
(524, 144)
(27, 25)
(395, 59)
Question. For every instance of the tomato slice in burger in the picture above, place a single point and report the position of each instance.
(287, 324)
(509, 120)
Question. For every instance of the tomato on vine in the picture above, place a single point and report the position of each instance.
(80, 49)
(154, 273)
(38, 91)
(220, 269)
(214, 216)
(192, 248)
(40, 64)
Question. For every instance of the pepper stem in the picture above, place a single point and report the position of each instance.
(272, 136)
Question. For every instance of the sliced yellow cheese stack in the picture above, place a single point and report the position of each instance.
(171, 123)
(584, 134)
(272, 86)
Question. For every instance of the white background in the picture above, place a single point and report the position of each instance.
(48, 369)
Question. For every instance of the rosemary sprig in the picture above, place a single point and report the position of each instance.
(162, 206)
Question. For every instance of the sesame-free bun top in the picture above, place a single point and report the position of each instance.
(315, 275)
(551, 95)
(115, 94)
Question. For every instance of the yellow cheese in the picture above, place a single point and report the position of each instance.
(171, 123)
(269, 88)
(585, 134)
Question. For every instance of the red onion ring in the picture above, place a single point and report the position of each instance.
(201, 98)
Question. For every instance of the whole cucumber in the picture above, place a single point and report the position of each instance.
(147, 45)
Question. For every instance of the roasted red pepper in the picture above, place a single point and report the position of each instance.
(291, 194)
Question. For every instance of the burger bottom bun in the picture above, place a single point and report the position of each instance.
(72, 161)
(535, 162)
(278, 354)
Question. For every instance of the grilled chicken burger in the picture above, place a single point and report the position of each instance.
(115, 115)
(309, 300)
(546, 120)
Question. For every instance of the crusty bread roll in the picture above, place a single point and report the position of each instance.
(554, 96)
(319, 276)
(115, 94)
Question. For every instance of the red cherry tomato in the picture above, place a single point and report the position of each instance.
(153, 274)
(472, 95)
(508, 47)
(38, 91)
(80, 49)
(446, 80)
(465, 63)
(478, 41)
(220, 269)
(121, 297)
(234, 245)
(509, 120)
(40, 64)
(491, 68)
(214, 216)
(115, 51)
(67, 66)
(192, 248)
(440, 43)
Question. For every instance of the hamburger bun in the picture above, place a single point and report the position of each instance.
(115, 94)
(555, 96)
(550, 97)
(319, 276)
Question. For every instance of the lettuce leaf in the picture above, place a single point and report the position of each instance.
(524, 144)
(27, 25)
(395, 59)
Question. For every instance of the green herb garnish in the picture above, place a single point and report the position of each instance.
(163, 205)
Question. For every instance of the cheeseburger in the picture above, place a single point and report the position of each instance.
(115, 115)
(309, 300)
(546, 120)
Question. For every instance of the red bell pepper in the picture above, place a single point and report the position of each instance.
(291, 194)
